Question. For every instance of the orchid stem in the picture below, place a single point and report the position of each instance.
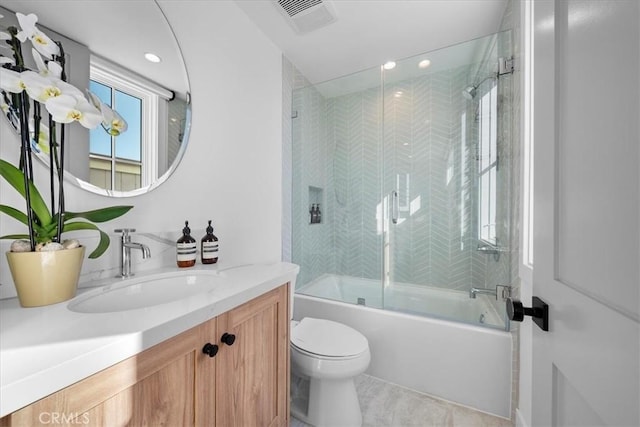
(26, 154)
(60, 185)
(53, 160)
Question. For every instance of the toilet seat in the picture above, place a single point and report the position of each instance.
(327, 339)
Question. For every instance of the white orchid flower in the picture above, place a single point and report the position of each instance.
(112, 122)
(67, 109)
(43, 138)
(6, 60)
(52, 68)
(40, 40)
(5, 36)
(94, 100)
(11, 81)
(4, 107)
(42, 88)
(42, 144)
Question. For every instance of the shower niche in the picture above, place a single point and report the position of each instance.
(315, 205)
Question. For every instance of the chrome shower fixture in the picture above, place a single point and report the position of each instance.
(470, 92)
(505, 66)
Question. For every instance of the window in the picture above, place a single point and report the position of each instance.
(131, 160)
(488, 165)
(116, 162)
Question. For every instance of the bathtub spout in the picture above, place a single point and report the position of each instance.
(474, 291)
(505, 293)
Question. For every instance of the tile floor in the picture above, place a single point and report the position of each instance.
(387, 405)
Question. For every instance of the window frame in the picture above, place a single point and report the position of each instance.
(153, 99)
(487, 134)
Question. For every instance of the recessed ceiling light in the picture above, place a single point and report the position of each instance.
(152, 57)
(424, 63)
(389, 65)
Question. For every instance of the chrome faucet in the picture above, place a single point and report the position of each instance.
(125, 250)
(505, 293)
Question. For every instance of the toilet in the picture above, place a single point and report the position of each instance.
(326, 356)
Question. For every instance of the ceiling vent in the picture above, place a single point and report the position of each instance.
(306, 15)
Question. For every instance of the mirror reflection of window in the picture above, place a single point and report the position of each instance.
(137, 157)
(488, 164)
(116, 162)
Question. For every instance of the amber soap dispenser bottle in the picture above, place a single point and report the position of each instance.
(209, 247)
(186, 248)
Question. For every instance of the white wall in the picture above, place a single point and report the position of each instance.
(231, 171)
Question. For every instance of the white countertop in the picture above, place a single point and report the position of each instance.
(44, 349)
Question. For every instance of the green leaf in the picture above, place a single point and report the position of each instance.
(14, 236)
(15, 178)
(15, 213)
(79, 225)
(41, 233)
(99, 215)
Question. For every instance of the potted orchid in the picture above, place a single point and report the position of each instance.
(29, 98)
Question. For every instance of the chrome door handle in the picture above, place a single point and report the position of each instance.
(394, 207)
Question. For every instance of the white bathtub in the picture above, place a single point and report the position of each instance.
(462, 362)
(420, 300)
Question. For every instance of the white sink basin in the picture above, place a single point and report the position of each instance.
(146, 291)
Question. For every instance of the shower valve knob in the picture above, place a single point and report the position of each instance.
(228, 339)
(539, 312)
(210, 349)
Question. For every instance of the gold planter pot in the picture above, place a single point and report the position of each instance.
(44, 278)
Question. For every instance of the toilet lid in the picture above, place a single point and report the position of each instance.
(328, 338)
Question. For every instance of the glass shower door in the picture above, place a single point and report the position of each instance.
(446, 181)
(337, 169)
(408, 171)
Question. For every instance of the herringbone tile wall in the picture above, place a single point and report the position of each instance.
(416, 136)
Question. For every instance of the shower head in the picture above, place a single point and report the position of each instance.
(469, 92)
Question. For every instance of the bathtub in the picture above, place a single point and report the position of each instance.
(414, 345)
(420, 300)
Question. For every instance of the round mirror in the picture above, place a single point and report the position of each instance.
(126, 54)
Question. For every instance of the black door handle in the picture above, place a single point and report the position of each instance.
(539, 312)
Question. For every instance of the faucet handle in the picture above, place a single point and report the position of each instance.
(505, 293)
(125, 231)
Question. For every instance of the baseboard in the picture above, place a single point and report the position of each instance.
(520, 422)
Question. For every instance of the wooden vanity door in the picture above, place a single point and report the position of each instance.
(170, 384)
(177, 388)
(252, 387)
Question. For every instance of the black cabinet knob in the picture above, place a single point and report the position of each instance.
(228, 339)
(539, 312)
(210, 349)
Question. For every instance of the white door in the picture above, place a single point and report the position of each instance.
(586, 368)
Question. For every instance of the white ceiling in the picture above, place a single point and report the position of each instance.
(367, 33)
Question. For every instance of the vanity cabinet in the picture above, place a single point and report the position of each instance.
(178, 383)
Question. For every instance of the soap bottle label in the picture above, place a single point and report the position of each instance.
(209, 252)
(186, 251)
